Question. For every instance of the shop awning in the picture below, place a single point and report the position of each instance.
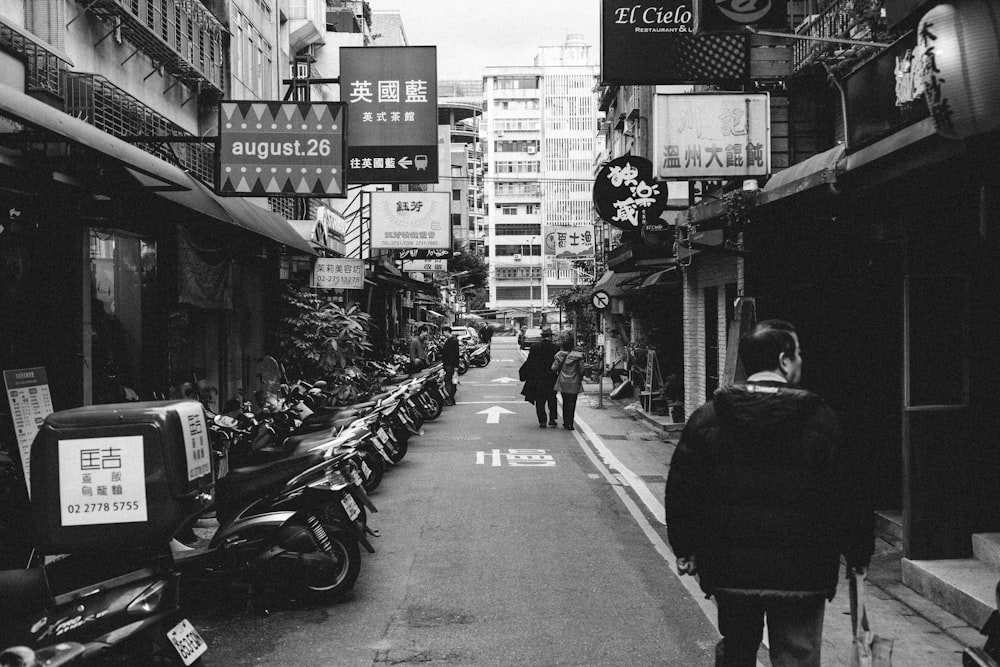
(618, 284)
(235, 211)
(817, 170)
(406, 283)
(665, 278)
(18, 106)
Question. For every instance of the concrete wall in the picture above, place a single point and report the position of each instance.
(706, 270)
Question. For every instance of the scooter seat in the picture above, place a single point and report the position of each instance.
(242, 486)
(23, 590)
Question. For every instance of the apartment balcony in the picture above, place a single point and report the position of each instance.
(307, 25)
(96, 100)
(44, 67)
(181, 36)
(838, 19)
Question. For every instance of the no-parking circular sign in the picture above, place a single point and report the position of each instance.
(600, 299)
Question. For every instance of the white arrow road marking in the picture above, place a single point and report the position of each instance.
(505, 380)
(493, 414)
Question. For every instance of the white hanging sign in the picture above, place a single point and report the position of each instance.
(197, 449)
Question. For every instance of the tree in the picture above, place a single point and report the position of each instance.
(463, 260)
(575, 302)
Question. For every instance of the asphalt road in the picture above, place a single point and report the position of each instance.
(501, 544)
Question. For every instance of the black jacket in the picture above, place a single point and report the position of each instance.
(536, 371)
(449, 352)
(761, 493)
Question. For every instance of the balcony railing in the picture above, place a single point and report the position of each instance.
(96, 100)
(44, 68)
(181, 36)
(840, 18)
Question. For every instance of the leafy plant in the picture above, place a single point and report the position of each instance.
(320, 339)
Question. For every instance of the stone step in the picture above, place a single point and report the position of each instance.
(889, 526)
(986, 547)
(966, 587)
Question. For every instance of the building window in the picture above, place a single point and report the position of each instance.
(456, 195)
(515, 83)
(517, 230)
(508, 210)
(516, 293)
(518, 249)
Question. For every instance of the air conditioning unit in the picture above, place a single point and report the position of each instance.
(517, 257)
(532, 150)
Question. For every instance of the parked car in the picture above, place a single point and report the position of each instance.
(532, 335)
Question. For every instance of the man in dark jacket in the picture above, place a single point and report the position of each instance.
(540, 379)
(449, 357)
(760, 504)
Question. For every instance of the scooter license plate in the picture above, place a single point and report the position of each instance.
(350, 507)
(356, 477)
(189, 644)
(366, 470)
(383, 436)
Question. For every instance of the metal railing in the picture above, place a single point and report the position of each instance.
(839, 18)
(94, 99)
(44, 68)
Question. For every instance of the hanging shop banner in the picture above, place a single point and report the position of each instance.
(338, 273)
(567, 242)
(391, 96)
(403, 220)
(625, 195)
(426, 266)
(711, 136)
(424, 253)
(281, 148)
(30, 403)
(652, 43)
(714, 16)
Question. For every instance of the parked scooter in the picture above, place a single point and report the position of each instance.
(480, 356)
(989, 654)
(108, 475)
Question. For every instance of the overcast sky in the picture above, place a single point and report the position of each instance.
(473, 34)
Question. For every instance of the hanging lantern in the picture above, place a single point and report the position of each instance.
(961, 66)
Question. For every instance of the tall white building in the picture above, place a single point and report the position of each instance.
(540, 137)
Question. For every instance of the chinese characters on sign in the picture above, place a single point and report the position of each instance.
(517, 458)
(30, 403)
(569, 242)
(281, 148)
(391, 94)
(711, 136)
(424, 253)
(625, 195)
(409, 220)
(425, 265)
(337, 273)
(199, 459)
(102, 480)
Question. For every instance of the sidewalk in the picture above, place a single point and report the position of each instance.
(925, 635)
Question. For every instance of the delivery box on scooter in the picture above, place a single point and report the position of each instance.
(124, 475)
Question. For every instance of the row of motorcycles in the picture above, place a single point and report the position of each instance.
(272, 503)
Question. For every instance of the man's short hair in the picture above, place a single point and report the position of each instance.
(762, 346)
(446, 328)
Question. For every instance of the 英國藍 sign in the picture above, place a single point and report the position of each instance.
(391, 96)
(735, 15)
(338, 273)
(711, 136)
(625, 195)
(405, 220)
(425, 266)
(567, 242)
(652, 42)
(424, 253)
(281, 148)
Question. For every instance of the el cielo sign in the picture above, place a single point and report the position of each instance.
(281, 148)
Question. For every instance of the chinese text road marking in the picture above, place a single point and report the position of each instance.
(526, 458)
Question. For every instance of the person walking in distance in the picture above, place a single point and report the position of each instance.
(418, 350)
(449, 357)
(539, 379)
(761, 502)
(568, 366)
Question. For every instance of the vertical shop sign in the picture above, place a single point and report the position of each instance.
(391, 96)
(196, 449)
(711, 136)
(281, 148)
(30, 403)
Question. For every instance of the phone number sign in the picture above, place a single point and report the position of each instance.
(281, 148)
(102, 480)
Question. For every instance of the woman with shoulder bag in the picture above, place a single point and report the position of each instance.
(568, 364)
